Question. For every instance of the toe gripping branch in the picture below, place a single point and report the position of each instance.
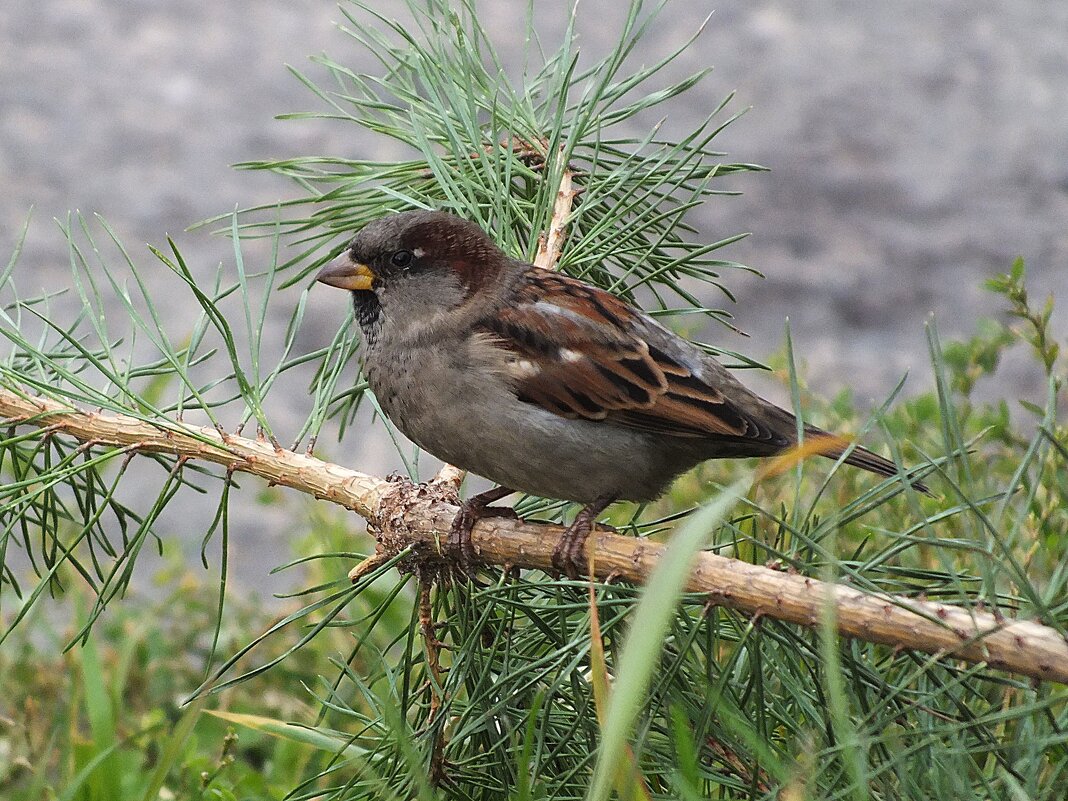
(412, 517)
(409, 525)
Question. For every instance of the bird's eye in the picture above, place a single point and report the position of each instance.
(402, 258)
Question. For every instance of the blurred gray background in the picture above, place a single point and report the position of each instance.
(915, 149)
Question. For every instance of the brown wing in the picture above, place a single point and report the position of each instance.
(581, 352)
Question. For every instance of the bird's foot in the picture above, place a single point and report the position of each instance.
(471, 511)
(569, 552)
(569, 555)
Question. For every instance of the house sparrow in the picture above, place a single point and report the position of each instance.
(540, 382)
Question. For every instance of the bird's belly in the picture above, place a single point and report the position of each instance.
(495, 435)
(546, 455)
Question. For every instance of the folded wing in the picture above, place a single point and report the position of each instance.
(580, 352)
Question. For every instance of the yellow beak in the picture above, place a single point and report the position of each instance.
(344, 273)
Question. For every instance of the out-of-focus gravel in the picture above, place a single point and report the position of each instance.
(915, 149)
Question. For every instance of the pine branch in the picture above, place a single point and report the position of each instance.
(406, 516)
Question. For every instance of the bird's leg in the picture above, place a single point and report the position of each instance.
(471, 511)
(569, 553)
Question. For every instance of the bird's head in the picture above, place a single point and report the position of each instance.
(413, 259)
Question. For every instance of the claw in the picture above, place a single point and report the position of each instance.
(569, 554)
(471, 511)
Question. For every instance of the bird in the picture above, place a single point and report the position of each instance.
(541, 382)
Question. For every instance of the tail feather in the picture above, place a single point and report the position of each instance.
(859, 457)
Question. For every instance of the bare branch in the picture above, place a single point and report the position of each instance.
(435, 679)
(419, 517)
(356, 491)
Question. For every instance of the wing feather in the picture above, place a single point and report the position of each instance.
(580, 352)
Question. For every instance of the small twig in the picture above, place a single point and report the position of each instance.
(756, 777)
(433, 650)
(371, 563)
(450, 475)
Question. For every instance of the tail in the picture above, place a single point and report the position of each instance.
(833, 447)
